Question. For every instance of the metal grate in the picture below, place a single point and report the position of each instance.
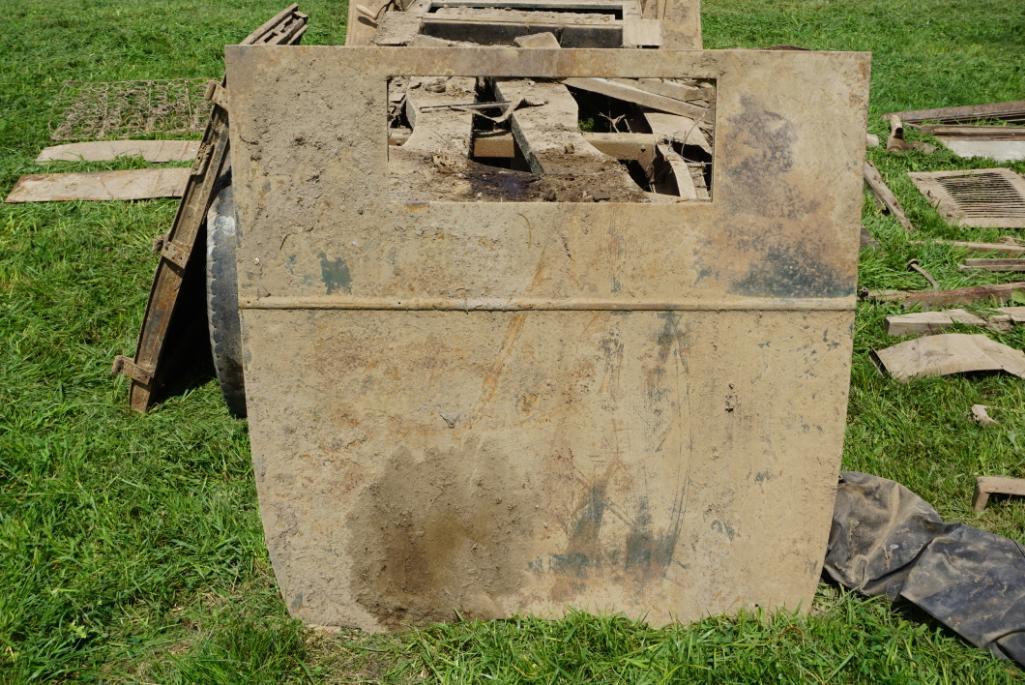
(127, 109)
(985, 198)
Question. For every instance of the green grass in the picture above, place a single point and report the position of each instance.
(130, 546)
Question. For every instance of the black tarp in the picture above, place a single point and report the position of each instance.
(886, 540)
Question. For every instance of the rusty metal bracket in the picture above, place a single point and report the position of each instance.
(175, 253)
(125, 366)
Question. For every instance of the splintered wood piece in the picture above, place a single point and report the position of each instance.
(929, 322)
(134, 184)
(975, 293)
(886, 196)
(994, 264)
(996, 485)
(107, 150)
(681, 173)
(549, 136)
(983, 198)
(677, 129)
(949, 353)
(642, 33)
(546, 39)
(634, 94)
(670, 88)
(440, 126)
(1007, 247)
(980, 414)
(623, 146)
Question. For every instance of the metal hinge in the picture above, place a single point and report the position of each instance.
(127, 367)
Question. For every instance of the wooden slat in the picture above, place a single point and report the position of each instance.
(133, 184)
(677, 128)
(993, 110)
(620, 91)
(107, 150)
(681, 173)
(996, 485)
(440, 129)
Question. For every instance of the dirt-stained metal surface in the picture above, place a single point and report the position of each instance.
(506, 407)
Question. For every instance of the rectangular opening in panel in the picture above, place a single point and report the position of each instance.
(472, 139)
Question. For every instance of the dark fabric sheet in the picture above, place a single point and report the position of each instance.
(886, 540)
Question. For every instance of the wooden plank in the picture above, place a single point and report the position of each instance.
(1014, 110)
(623, 146)
(642, 33)
(620, 91)
(949, 353)
(549, 136)
(133, 184)
(439, 129)
(886, 196)
(1001, 150)
(546, 40)
(527, 18)
(987, 132)
(679, 170)
(994, 264)
(678, 129)
(670, 88)
(919, 323)
(1005, 248)
(996, 485)
(572, 34)
(610, 7)
(107, 150)
(999, 291)
(397, 28)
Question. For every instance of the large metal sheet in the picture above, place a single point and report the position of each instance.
(506, 407)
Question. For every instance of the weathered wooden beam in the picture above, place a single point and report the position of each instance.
(679, 170)
(637, 96)
(107, 150)
(998, 291)
(133, 184)
(993, 110)
(437, 127)
(886, 196)
(677, 128)
(623, 146)
(1005, 248)
(993, 264)
(996, 485)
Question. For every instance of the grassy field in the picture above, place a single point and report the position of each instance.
(131, 547)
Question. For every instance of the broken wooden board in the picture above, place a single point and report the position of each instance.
(507, 379)
(995, 149)
(998, 292)
(917, 323)
(982, 198)
(678, 129)
(679, 170)
(132, 184)
(1006, 247)
(440, 126)
(637, 96)
(108, 150)
(949, 353)
(549, 136)
(174, 342)
(622, 146)
(882, 191)
(1006, 265)
(996, 485)
(1007, 111)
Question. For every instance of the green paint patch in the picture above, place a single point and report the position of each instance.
(335, 274)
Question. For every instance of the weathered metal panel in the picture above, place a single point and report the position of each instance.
(505, 407)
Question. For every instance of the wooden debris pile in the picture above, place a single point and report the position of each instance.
(575, 139)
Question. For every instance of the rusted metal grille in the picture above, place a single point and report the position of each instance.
(126, 109)
(978, 197)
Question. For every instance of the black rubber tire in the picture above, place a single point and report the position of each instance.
(222, 300)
